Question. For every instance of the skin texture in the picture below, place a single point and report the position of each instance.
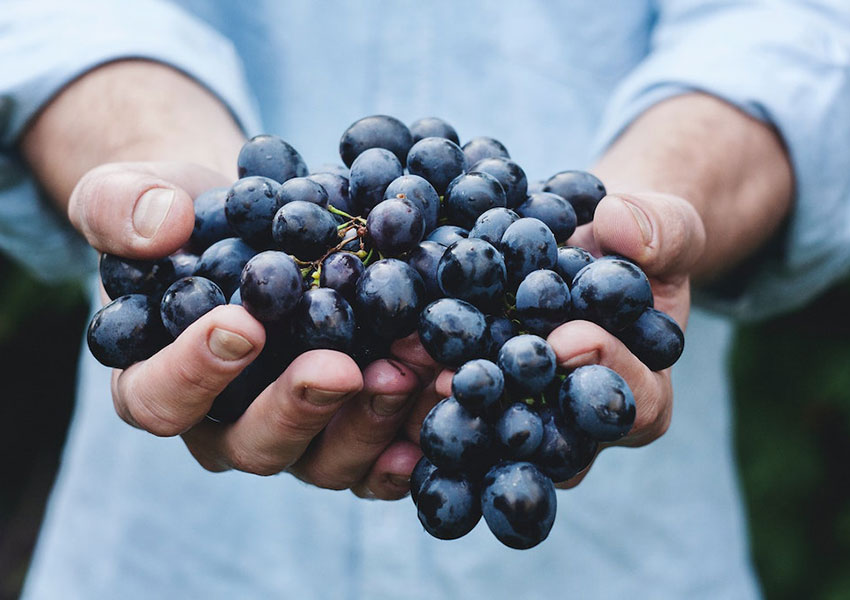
(694, 187)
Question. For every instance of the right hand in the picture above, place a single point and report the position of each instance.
(322, 419)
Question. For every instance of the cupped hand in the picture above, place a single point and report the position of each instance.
(322, 419)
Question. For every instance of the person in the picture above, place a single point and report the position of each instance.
(718, 128)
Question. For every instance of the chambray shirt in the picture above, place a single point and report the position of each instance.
(133, 516)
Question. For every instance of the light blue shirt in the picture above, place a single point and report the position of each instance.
(133, 516)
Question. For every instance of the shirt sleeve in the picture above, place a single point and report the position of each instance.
(46, 44)
(787, 64)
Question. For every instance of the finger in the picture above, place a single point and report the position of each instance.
(426, 400)
(662, 233)
(580, 343)
(139, 210)
(443, 384)
(410, 351)
(343, 453)
(389, 477)
(279, 425)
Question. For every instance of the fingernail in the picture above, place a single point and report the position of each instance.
(151, 209)
(322, 397)
(386, 405)
(399, 480)
(642, 221)
(587, 358)
(228, 345)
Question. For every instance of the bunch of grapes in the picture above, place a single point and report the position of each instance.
(416, 234)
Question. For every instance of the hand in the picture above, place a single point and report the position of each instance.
(322, 419)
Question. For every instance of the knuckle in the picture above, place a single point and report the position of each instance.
(315, 474)
(149, 419)
(249, 461)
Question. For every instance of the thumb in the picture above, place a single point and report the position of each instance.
(139, 210)
(663, 233)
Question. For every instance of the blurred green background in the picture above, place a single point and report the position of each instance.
(792, 381)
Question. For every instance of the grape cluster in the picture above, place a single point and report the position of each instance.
(415, 234)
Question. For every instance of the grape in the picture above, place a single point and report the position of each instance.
(520, 431)
(491, 225)
(389, 297)
(473, 270)
(433, 127)
(448, 234)
(448, 506)
(395, 226)
(477, 386)
(425, 258)
(210, 221)
(454, 439)
(123, 276)
(421, 472)
(323, 319)
(437, 160)
(528, 245)
(579, 188)
(421, 193)
(269, 156)
(340, 271)
(519, 504)
(557, 213)
(479, 148)
(235, 399)
(470, 195)
(304, 189)
(528, 364)
(305, 230)
(499, 331)
(249, 207)
(333, 169)
(368, 346)
(599, 401)
(184, 263)
(336, 186)
(126, 331)
(571, 260)
(655, 338)
(186, 301)
(564, 451)
(378, 131)
(270, 285)
(223, 262)
(542, 301)
(509, 174)
(370, 175)
(453, 331)
(612, 293)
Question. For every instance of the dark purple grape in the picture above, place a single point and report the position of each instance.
(499, 331)
(557, 213)
(448, 506)
(389, 298)
(571, 260)
(519, 504)
(433, 127)
(184, 263)
(564, 451)
(323, 319)
(304, 189)
(336, 187)
(250, 205)
(528, 245)
(455, 440)
(478, 386)
(520, 431)
(612, 293)
(370, 175)
(269, 156)
(425, 258)
(453, 331)
(528, 363)
(186, 301)
(368, 346)
(470, 195)
(421, 472)
(437, 160)
(655, 338)
(447, 235)
(599, 402)
(235, 399)
(579, 188)
(123, 276)
(332, 168)
(491, 225)
(509, 174)
(305, 230)
(126, 331)
(270, 285)
(395, 226)
(377, 131)
(210, 221)
(352, 242)
(421, 193)
(543, 301)
(479, 148)
(223, 262)
(340, 271)
(474, 271)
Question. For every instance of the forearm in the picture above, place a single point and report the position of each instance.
(128, 111)
(731, 167)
